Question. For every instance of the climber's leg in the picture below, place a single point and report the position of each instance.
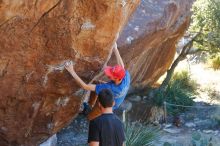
(95, 112)
(92, 99)
(89, 103)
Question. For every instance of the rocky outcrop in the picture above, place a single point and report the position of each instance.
(38, 97)
(147, 43)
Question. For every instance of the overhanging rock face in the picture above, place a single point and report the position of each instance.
(37, 96)
(147, 43)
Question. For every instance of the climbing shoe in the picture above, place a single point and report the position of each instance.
(86, 109)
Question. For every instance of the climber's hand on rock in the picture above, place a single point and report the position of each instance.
(69, 67)
(115, 47)
(118, 56)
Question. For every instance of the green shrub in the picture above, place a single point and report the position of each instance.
(179, 91)
(183, 80)
(215, 62)
(196, 140)
(140, 135)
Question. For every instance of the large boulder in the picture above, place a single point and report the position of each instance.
(38, 97)
(148, 42)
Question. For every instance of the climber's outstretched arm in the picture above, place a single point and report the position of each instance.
(90, 87)
(118, 56)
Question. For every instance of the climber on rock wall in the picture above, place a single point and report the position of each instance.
(119, 84)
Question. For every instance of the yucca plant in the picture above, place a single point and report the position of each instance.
(180, 91)
(138, 134)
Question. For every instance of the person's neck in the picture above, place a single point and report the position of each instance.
(107, 110)
(117, 83)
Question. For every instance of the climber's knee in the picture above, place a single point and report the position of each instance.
(92, 99)
(94, 113)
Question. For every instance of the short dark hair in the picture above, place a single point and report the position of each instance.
(106, 98)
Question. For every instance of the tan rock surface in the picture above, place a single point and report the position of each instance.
(37, 96)
(147, 43)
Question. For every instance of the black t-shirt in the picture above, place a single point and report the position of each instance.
(106, 129)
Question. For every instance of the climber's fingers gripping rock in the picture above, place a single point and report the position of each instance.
(69, 66)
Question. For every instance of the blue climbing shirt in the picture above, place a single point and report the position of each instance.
(119, 91)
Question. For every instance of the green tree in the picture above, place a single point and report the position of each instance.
(206, 15)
